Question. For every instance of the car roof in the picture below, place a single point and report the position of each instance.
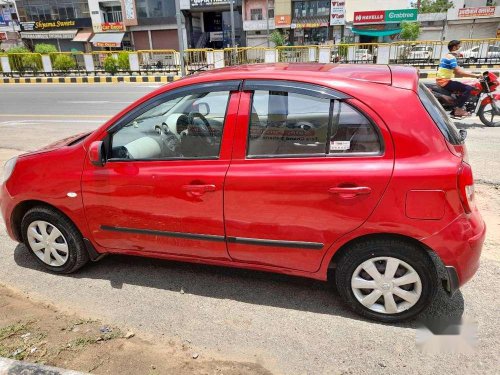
(326, 74)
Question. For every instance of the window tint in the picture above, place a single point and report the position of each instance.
(287, 123)
(291, 124)
(352, 132)
(186, 127)
(439, 116)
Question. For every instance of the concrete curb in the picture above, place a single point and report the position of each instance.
(92, 79)
(11, 367)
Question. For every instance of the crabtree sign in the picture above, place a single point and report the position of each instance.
(385, 16)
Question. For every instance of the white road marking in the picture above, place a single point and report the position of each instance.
(92, 102)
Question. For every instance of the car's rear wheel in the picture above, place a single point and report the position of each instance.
(386, 280)
(53, 240)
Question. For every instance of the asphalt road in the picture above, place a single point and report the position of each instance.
(289, 325)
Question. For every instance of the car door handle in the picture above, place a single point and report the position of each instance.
(350, 192)
(198, 189)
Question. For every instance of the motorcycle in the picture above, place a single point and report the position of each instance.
(482, 101)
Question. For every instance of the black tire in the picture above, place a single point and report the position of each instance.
(77, 253)
(486, 119)
(402, 250)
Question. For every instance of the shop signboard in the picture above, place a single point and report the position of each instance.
(476, 12)
(76, 23)
(282, 21)
(337, 13)
(109, 26)
(385, 16)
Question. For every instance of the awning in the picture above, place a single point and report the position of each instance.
(53, 34)
(82, 36)
(107, 39)
(369, 32)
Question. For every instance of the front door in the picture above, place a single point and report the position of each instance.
(308, 167)
(161, 188)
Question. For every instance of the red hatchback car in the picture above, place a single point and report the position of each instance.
(352, 173)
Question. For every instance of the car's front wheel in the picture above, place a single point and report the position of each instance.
(53, 240)
(386, 280)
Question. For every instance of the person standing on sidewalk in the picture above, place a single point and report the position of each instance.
(448, 69)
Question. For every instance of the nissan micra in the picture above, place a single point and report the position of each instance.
(347, 173)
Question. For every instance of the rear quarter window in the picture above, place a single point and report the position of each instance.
(438, 114)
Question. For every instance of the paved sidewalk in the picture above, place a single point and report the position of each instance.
(11, 367)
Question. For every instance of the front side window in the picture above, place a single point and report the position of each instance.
(187, 127)
(291, 124)
(256, 14)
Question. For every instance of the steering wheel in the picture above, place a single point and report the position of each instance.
(204, 130)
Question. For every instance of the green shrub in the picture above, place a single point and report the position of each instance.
(123, 61)
(111, 65)
(45, 48)
(64, 63)
(21, 59)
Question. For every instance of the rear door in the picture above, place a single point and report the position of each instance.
(309, 165)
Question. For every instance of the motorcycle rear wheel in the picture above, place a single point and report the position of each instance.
(487, 116)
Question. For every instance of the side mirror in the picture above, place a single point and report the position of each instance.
(463, 134)
(96, 153)
(203, 108)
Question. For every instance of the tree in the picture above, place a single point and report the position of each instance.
(410, 30)
(277, 38)
(433, 6)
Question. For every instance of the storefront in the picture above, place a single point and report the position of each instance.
(473, 23)
(310, 22)
(380, 25)
(208, 24)
(65, 35)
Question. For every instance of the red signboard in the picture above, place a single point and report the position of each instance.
(112, 26)
(375, 16)
(476, 12)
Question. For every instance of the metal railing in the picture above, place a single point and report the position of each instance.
(297, 53)
(417, 53)
(159, 61)
(197, 60)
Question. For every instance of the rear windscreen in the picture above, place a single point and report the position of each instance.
(438, 114)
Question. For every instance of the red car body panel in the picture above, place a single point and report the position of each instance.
(272, 199)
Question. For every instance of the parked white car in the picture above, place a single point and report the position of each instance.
(473, 54)
(363, 55)
(420, 53)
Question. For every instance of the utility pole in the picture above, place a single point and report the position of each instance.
(180, 35)
(267, 18)
(233, 37)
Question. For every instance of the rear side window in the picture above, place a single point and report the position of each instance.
(438, 114)
(290, 124)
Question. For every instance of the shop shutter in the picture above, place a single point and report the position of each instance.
(485, 30)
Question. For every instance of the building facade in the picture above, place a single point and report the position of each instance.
(258, 18)
(65, 24)
(9, 25)
(208, 23)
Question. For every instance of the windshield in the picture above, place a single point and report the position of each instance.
(440, 117)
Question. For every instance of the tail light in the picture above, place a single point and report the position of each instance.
(466, 187)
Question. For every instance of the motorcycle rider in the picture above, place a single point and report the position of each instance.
(448, 69)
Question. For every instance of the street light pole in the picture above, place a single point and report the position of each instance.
(267, 25)
(180, 35)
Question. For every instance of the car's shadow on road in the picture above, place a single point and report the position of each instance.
(466, 126)
(254, 287)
